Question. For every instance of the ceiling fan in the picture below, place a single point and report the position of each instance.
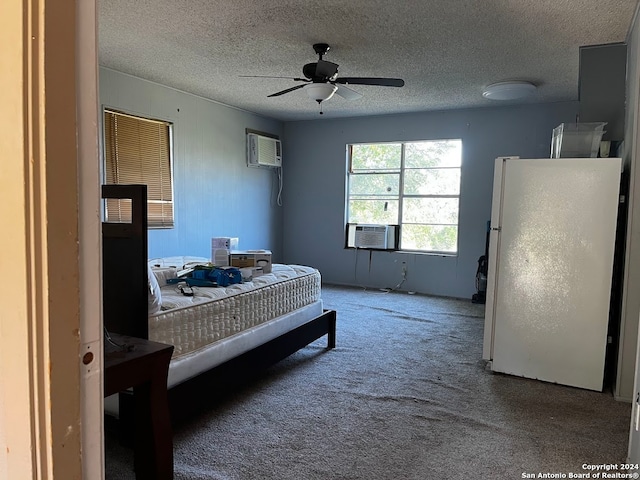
(321, 79)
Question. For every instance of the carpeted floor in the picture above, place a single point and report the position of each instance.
(405, 395)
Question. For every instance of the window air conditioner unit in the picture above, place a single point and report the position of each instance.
(382, 237)
(263, 151)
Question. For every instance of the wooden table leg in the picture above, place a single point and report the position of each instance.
(153, 437)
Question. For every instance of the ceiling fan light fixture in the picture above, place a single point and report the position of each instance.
(513, 90)
(320, 91)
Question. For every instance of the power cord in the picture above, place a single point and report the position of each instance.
(279, 200)
(404, 277)
(124, 347)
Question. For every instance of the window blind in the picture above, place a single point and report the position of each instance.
(138, 151)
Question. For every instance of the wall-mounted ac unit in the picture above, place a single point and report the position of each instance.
(263, 151)
(382, 237)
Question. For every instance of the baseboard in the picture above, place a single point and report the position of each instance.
(623, 399)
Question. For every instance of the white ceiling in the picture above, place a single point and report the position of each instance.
(445, 50)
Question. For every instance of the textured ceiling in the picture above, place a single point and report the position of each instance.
(445, 50)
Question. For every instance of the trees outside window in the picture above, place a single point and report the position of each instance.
(412, 184)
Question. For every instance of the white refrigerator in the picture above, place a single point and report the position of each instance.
(551, 248)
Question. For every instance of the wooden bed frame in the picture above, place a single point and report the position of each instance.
(125, 299)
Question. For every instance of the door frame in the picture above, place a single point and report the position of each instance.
(50, 341)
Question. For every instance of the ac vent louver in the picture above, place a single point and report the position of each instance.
(371, 236)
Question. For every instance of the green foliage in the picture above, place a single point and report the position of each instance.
(438, 238)
(432, 181)
(385, 184)
(437, 153)
(376, 156)
(430, 210)
(381, 212)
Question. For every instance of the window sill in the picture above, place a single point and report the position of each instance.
(406, 252)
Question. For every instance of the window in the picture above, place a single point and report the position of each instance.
(412, 184)
(138, 151)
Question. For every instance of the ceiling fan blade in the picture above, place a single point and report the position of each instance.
(260, 76)
(347, 93)
(326, 69)
(382, 82)
(277, 94)
(297, 79)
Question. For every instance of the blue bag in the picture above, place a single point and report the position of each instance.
(203, 276)
(226, 276)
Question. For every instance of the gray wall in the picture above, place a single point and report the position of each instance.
(628, 367)
(314, 190)
(216, 194)
(631, 285)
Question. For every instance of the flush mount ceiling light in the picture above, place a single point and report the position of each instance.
(509, 90)
(320, 91)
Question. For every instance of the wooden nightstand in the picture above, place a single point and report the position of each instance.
(143, 366)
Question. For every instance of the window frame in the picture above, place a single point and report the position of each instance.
(400, 197)
(152, 225)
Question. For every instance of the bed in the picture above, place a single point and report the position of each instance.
(219, 333)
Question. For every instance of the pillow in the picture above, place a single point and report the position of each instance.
(155, 297)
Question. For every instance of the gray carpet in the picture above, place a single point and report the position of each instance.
(405, 395)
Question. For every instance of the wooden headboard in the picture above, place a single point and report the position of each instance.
(124, 265)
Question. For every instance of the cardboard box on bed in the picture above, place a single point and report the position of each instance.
(220, 249)
(230, 243)
(251, 258)
(220, 257)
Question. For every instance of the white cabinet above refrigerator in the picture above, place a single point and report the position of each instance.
(551, 248)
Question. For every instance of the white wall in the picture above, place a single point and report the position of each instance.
(315, 189)
(216, 194)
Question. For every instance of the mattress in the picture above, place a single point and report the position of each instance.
(191, 323)
(218, 324)
(191, 364)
